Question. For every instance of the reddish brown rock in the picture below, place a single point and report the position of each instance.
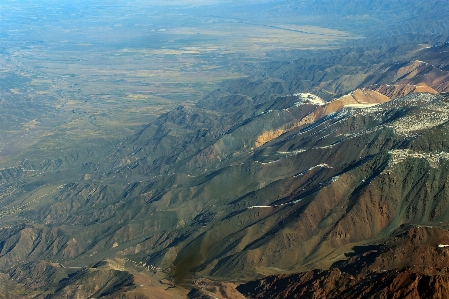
(411, 264)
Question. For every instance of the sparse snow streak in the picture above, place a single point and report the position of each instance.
(398, 156)
(292, 152)
(259, 207)
(434, 114)
(324, 165)
(266, 163)
(276, 206)
(425, 120)
(333, 179)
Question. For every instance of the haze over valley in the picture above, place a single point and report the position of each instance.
(201, 149)
(115, 65)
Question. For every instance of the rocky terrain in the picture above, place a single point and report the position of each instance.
(320, 177)
(410, 263)
(306, 180)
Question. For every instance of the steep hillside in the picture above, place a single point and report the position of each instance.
(299, 201)
(411, 263)
(251, 181)
(332, 74)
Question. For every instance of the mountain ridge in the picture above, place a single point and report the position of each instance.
(331, 175)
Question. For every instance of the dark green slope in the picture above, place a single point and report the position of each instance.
(233, 188)
(365, 186)
(286, 205)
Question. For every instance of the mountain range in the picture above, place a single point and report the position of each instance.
(319, 180)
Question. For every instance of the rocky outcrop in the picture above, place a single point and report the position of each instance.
(413, 263)
(394, 91)
(209, 289)
(360, 98)
(399, 283)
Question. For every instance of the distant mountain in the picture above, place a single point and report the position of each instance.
(260, 180)
(339, 72)
(370, 18)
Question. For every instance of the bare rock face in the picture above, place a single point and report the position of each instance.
(394, 91)
(57, 281)
(400, 283)
(412, 263)
(35, 275)
(206, 288)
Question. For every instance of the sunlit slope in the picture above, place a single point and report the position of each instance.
(410, 262)
(393, 71)
(306, 194)
(235, 187)
(366, 184)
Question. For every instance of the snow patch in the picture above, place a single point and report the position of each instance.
(253, 207)
(335, 178)
(361, 106)
(324, 165)
(292, 152)
(434, 115)
(400, 155)
(266, 163)
(309, 98)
